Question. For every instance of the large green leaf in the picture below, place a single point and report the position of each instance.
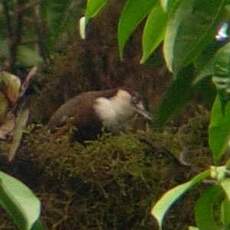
(132, 14)
(167, 4)
(226, 187)
(19, 202)
(161, 207)
(177, 95)
(221, 73)
(191, 27)
(204, 209)
(153, 31)
(225, 213)
(94, 7)
(219, 129)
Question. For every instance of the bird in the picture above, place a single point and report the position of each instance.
(93, 111)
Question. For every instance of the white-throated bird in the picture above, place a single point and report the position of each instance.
(90, 111)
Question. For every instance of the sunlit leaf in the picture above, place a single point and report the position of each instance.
(82, 27)
(192, 228)
(10, 85)
(153, 31)
(189, 30)
(132, 14)
(94, 7)
(219, 129)
(226, 186)
(166, 4)
(161, 207)
(19, 202)
(204, 209)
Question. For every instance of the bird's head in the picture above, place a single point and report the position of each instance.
(130, 101)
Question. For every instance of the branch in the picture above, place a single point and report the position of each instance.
(8, 19)
(41, 34)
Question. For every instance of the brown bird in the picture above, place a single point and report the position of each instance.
(90, 111)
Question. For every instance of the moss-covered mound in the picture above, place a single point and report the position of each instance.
(109, 183)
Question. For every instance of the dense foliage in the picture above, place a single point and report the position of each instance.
(194, 50)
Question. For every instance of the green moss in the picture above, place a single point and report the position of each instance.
(109, 183)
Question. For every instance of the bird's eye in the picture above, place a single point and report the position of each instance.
(135, 100)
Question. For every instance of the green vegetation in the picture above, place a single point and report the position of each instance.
(114, 182)
(187, 29)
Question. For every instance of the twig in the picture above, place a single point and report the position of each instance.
(41, 35)
(26, 83)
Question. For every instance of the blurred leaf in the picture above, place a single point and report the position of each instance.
(225, 213)
(82, 27)
(38, 225)
(21, 121)
(7, 126)
(4, 105)
(204, 63)
(132, 14)
(177, 95)
(94, 7)
(204, 209)
(166, 4)
(192, 228)
(11, 85)
(226, 187)
(153, 31)
(55, 13)
(219, 129)
(28, 56)
(19, 202)
(4, 49)
(191, 27)
(221, 73)
(161, 207)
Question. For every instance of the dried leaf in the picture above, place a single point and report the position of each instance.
(7, 127)
(11, 86)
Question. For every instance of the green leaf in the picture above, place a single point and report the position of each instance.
(219, 129)
(21, 121)
(19, 202)
(221, 73)
(161, 207)
(191, 27)
(166, 4)
(204, 209)
(192, 228)
(153, 31)
(225, 213)
(94, 7)
(28, 56)
(132, 14)
(178, 93)
(226, 187)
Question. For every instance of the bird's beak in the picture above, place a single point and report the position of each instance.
(140, 109)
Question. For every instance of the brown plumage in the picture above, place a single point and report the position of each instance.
(89, 111)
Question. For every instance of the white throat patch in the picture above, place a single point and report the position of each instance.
(114, 111)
